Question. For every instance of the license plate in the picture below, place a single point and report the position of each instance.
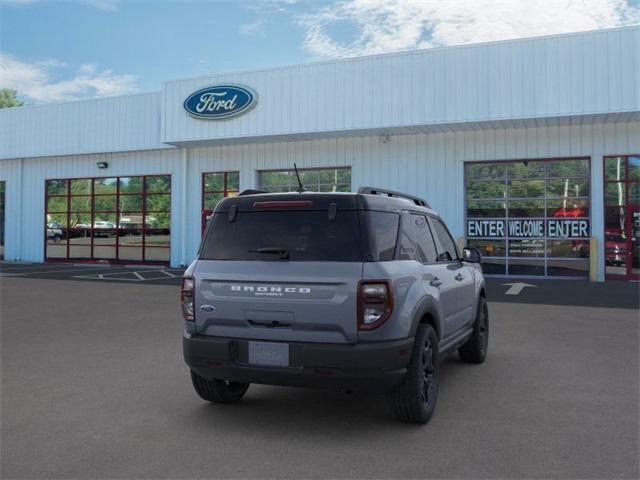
(268, 353)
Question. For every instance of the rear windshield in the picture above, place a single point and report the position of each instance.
(302, 235)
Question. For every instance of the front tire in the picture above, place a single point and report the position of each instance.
(218, 391)
(415, 400)
(475, 349)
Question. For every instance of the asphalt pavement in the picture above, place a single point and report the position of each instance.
(94, 386)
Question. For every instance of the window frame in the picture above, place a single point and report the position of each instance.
(627, 181)
(225, 191)
(144, 247)
(291, 171)
(546, 177)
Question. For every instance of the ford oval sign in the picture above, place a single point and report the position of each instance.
(220, 102)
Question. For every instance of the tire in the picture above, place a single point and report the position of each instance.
(218, 391)
(475, 349)
(414, 401)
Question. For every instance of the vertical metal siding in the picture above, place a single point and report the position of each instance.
(429, 165)
(102, 125)
(25, 231)
(564, 75)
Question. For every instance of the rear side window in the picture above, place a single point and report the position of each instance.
(381, 234)
(416, 242)
(304, 235)
(426, 245)
(449, 251)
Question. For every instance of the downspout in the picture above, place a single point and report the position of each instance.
(20, 245)
(183, 208)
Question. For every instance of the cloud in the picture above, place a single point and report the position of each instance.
(391, 25)
(252, 29)
(34, 80)
(104, 5)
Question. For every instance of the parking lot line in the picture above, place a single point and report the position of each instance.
(138, 276)
(58, 270)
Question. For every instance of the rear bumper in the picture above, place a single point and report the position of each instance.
(374, 367)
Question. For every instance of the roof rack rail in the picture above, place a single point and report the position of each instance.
(249, 191)
(391, 193)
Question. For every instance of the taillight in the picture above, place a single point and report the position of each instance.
(186, 298)
(375, 303)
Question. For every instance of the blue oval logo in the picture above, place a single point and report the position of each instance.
(220, 101)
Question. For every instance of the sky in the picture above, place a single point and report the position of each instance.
(54, 50)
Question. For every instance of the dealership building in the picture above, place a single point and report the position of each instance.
(529, 149)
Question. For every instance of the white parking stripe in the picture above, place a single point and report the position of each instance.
(37, 272)
(139, 277)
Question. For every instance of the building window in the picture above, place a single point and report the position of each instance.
(622, 217)
(313, 179)
(2, 187)
(215, 187)
(530, 218)
(116, 219)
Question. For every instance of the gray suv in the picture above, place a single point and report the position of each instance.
(353, 291)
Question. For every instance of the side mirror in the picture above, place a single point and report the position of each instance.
(471, 255)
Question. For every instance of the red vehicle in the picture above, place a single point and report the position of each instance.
(569, 212)
(615, 247)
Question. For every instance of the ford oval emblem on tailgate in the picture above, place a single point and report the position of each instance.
(220, 102)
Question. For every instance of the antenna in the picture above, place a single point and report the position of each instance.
(300, 187)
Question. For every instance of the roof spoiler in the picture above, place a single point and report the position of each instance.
(391, 193)
(250, 192)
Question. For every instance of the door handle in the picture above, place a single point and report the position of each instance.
(459, 277)
(435, 282)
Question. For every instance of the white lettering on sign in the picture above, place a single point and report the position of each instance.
(526, 228)
(522, 228)
(485, 228)
(568, 228)
(210, 103)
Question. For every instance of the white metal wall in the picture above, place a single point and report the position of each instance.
(555, 76)
(113, 124)
(429, 165)
(25, 192)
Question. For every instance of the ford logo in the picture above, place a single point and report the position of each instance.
(220, 101)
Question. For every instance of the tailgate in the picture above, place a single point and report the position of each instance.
(280, 301)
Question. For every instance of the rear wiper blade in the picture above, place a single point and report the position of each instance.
(283, 252)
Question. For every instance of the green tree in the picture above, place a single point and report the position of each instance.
(8, 98)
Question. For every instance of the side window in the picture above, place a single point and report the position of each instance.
(383, 231)
(407, 241)
(425, 240)
(416, 242)
(449, 251)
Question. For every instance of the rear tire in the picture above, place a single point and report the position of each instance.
(475, 349)
(414, 401)
(218, 391)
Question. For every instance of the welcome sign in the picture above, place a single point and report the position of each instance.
(528, 228)
(220, 102)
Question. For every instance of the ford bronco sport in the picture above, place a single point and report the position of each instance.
(353, 291)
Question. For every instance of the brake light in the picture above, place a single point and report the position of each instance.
(186, 298)
(284, 204)
(375, 303)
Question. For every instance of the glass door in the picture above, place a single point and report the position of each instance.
(622, 217)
